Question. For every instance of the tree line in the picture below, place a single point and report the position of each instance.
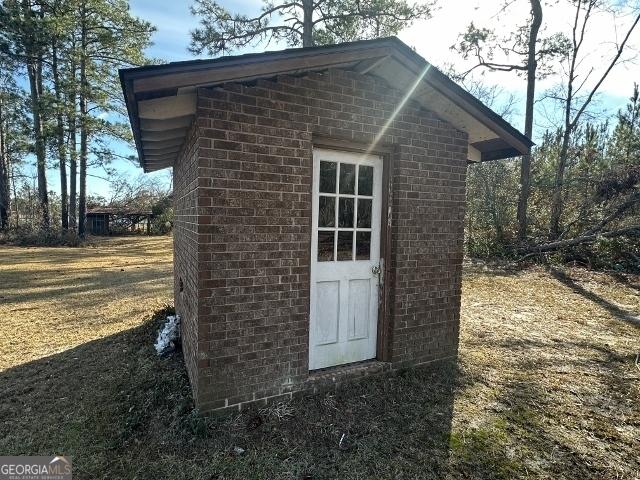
(60, 100)
(579, 185)
(578, 190)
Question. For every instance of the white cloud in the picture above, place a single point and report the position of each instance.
(432, 39)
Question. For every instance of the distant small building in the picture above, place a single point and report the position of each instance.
(112, 220)
(319, 198)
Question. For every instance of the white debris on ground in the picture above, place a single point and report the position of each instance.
(169, 335)
(238, 450)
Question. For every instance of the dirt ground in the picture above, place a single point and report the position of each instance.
(547, 384)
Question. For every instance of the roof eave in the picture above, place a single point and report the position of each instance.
(517, 143)
(132, 111)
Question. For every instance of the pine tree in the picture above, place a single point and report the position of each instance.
(301, 23)
(24, 37)
(13, 137)
(108, 38)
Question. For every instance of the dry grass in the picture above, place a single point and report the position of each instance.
(53, 299)
(546, 385)
(551, 360)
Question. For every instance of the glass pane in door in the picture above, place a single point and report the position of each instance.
(365, 180)
(326, 211)
(328, 177)
(345, 245)
(325, 246)
(345, 213)
(347, 178)
(364, 213)
(363, 245)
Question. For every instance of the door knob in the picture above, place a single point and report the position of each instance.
(377, 270)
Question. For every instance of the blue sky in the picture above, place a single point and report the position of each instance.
(431, 38)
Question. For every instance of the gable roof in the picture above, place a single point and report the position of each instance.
(161, 99)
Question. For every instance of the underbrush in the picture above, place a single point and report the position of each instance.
(618, 254)
(38, 237)
(606, 254)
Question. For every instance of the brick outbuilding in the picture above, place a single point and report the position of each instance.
(319, 201)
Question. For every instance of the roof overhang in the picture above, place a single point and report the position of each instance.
(161, 99)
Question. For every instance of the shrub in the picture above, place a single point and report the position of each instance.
(38, 237)
(620, 254)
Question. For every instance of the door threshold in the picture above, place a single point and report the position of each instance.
(348, 371)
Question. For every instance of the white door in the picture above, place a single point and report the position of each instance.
(345, 257)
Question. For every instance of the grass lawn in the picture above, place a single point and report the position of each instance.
(547, 384)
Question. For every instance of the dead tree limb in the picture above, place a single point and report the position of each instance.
(617, 213)
(585, 238)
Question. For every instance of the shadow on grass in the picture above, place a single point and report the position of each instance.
(629, 281)
(92, 401)
(616, 311)
(53, 283)
(126, 247)
(123, 412)
(553, 437)
(489, 268)
(562, 404)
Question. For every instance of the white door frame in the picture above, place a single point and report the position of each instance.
(354, 337)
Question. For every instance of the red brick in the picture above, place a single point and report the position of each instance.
(242, 230)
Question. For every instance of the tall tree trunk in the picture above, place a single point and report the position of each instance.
(525, 166)
(307, 23)
(34, 68)
(34, 71)
(569, 123)
(72, 148)
(5, 196)
(557, 202)
(15, 196)
(556, 198)
(60, 142)
(30, 214)
(632, 122)
(82, 201)
(73, 174)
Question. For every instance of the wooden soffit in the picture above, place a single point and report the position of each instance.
(161, 99)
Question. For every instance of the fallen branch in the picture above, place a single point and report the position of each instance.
(631, 202)
(586, 238)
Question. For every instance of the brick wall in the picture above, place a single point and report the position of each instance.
(427, 242)
(185, 250)
(254, 214)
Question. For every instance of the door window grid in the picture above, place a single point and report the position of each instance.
(329, 232)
